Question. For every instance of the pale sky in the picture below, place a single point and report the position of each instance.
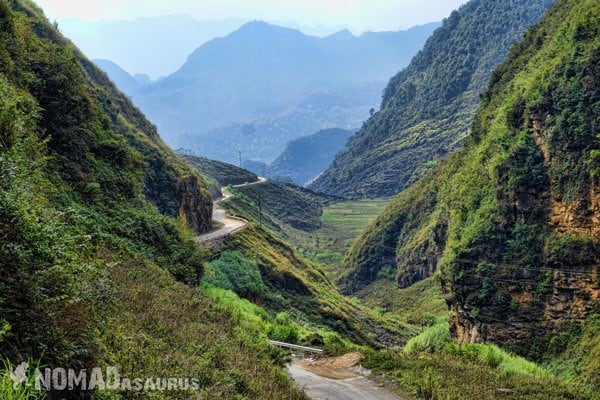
(360, 15)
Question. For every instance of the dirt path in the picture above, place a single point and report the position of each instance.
(223, 224)
(336, 379)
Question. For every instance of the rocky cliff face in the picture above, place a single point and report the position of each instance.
(547, 221)
(512, 221)
(195, 206)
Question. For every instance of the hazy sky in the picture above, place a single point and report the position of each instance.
(360, 15)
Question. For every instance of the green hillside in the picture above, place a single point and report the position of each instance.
(511, 221)
(428, 107)
(97, 260)
(224, 174)
(280, 204)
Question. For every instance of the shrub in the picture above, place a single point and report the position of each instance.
(233, 271)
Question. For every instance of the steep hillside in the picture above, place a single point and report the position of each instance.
(280, 203)
(512, 219)
(303, 159)
(428, 107)
(224, 174)
(262, 71)
(97, 259)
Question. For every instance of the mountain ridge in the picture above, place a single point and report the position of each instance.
(509, 222)
(255, 74)
(428, 106)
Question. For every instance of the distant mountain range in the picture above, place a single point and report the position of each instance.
(263, 72)
(155, 46)
(264, 85)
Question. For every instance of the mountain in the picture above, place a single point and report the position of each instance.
(427, 107)
(263, 71)
(303, 159)
(264, 139)
(98, 265)
(511, 220)
(121, 78)
(156, 46)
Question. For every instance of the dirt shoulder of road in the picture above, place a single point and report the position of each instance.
(342, 367)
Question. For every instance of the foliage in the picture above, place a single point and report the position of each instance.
(505, 220)
(10, 390)
(431, 339)
(471, 372)
(235, 272)
(96, 233)
(427, 107)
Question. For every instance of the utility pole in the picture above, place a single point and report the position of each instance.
(240, 157)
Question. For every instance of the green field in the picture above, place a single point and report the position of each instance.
(341, 223)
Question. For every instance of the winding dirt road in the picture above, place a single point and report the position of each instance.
(223, 224)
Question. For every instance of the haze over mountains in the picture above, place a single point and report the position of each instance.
(155, 46)
(264, 85)
(303, 159)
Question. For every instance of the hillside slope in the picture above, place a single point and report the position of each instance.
(97, 259)
(428, 107)
(512, 219)
(303, 159)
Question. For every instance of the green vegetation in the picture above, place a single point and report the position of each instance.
(509, 222)
(427, 107)
(328, 227)
(340, 224)
(19, 390)
(419, 304)
(471, 372)
(97, 216)
(431, 339)
(298, 288)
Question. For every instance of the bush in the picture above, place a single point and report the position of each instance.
(233, 271)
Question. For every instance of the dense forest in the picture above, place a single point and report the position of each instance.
(427, 107)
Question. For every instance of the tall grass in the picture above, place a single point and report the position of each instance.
(431, 339)
(494, 357)
(9, 390)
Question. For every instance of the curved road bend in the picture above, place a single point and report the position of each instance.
(319, 388)
(223, 225)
